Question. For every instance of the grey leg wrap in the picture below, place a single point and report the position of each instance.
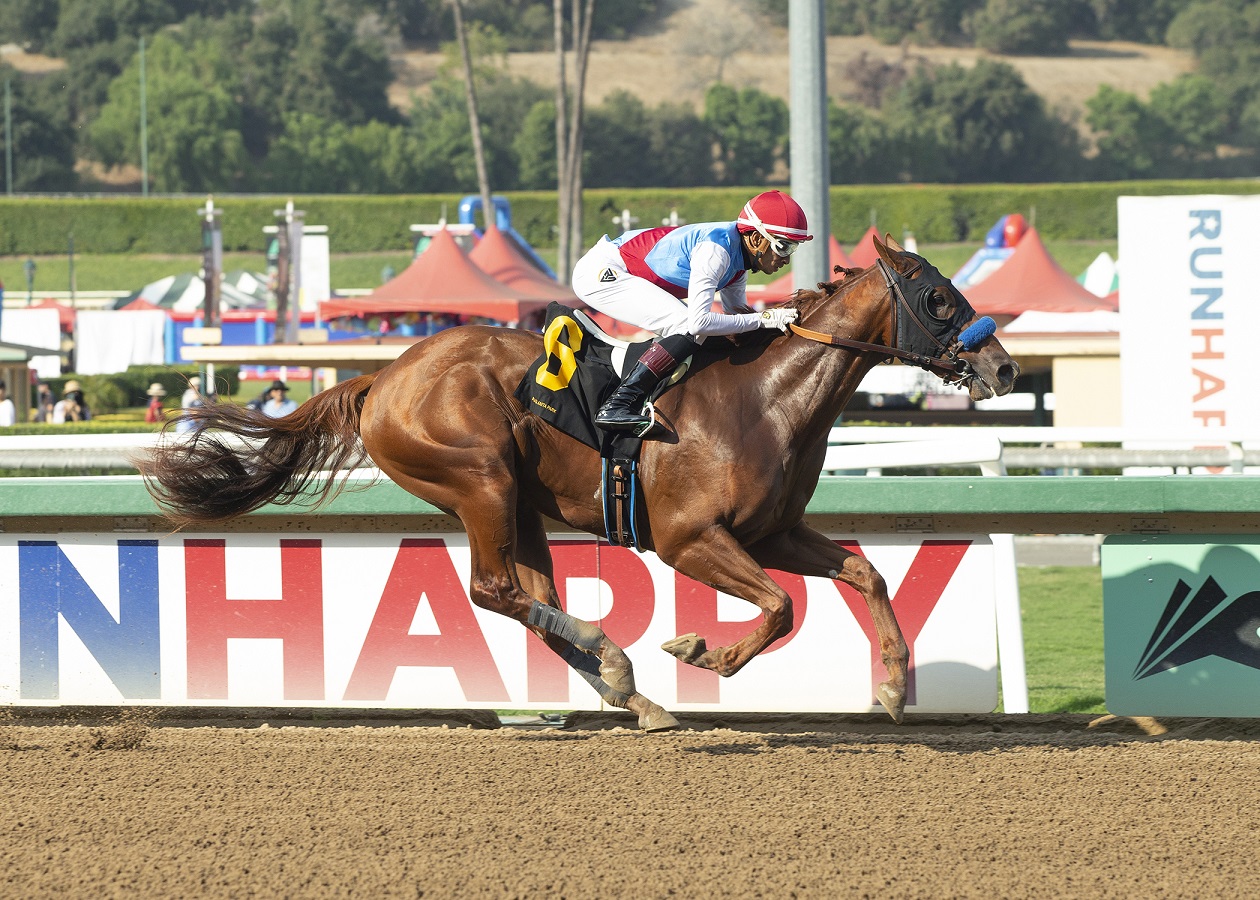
(582, 635)
(588, 667)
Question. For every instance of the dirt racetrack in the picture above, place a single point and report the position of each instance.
(822, 806)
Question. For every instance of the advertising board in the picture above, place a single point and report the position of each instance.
(347, 620)
(1181, 624)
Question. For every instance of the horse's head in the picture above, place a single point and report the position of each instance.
(917, 312)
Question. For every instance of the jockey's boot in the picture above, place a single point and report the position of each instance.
(623, 411)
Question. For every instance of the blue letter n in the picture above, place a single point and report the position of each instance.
(128, 650)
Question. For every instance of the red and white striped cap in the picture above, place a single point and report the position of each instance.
(776, 217)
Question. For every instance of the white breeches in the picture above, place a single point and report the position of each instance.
(600, 279)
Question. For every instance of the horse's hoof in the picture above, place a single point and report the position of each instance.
(687, 647)
(892, 700)
(656, 719)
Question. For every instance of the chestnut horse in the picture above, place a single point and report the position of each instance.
(725, 493)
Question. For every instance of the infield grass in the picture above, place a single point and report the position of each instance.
(1063, 638)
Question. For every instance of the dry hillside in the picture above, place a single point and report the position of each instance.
(702, 39)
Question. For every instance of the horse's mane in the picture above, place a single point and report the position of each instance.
(804, 299)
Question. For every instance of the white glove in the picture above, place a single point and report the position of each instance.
(778, 317)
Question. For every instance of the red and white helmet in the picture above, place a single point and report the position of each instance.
(778, 218)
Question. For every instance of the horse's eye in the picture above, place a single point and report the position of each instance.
(940, 303)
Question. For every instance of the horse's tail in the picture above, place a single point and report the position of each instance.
(239, 459)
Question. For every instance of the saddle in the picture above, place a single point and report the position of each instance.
(581, 365)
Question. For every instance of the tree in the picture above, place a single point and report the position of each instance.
(1130, 139)
(618, 146)
(750, 128)
(474, 120)
(570, 110)
(30, 23)
(680, 150)
(535, 147)
(43, 141)
(1020, 26)
(979, 124)
(860, 147)
(194, 133)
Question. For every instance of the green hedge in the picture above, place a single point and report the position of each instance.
(109, 393)
(367, 224)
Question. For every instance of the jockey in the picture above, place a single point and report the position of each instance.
(664, 280)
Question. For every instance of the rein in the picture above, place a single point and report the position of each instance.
(948, 366)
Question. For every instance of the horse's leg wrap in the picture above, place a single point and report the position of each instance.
(597, 659)
(583, 635)
(588, 667)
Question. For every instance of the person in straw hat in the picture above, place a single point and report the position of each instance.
(72, 407)
(155, 413)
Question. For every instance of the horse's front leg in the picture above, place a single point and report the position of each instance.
(716, 558)
(803, 551)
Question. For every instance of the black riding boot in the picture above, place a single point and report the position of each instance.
(623, 411)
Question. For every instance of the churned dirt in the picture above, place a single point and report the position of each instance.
(980, 806)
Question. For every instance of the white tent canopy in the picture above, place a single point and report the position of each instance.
(186, 292)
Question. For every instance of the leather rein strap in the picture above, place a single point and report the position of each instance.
(944, 367)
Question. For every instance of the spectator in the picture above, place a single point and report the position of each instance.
(8, 412)
(278, 404)
(43, 402)
(155, 413)
(190, 400)
(258, 402)
(72, 407)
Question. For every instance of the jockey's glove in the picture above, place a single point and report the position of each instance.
(778, 317)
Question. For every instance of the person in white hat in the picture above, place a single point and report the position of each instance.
(155, 413)
(72, 407)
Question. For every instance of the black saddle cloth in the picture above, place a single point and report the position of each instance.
(570, 381)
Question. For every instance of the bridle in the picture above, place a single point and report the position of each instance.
(934, 349)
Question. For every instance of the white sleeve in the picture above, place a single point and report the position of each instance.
(735, 295)
(709, 262)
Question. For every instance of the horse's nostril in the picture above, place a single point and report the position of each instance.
(1006, 375)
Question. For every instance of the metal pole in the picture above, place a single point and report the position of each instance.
(811, 171)
(295, 272)
(8, 136)
(144, 128)
(71, 254)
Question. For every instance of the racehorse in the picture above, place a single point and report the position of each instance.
(725, 492)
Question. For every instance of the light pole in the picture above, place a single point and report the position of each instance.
(144, 128)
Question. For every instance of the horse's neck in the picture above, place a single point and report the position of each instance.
(811, 383)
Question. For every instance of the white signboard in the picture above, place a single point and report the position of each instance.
(1190, 315)
(344, 620)
(316, 271)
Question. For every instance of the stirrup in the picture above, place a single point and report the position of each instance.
(646, 427)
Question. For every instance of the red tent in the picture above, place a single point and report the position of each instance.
(442, 279)
(1030, 279)
(65, 314)
(498, 256)
(864, 253)
(785, 285)
(139, 304)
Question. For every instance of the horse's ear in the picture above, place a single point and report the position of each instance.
(892, 253)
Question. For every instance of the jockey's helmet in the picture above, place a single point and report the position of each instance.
(778, 218)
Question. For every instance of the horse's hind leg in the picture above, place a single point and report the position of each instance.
(803, 551)
(582, 645)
